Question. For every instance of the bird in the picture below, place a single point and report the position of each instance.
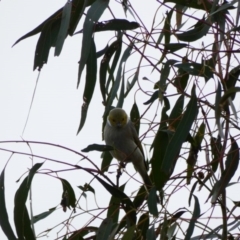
(121, 135)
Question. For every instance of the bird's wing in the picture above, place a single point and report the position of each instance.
(137, 141)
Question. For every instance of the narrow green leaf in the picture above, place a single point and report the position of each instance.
(173, 47)
(114, 62)
(28, 232)
(105, 229)
(152, 98)
(229, 93)
(107, 159)
(163, 78)
(151, 233)
(191, 193)
(101, 52)
(164, 228)
(55, 17)
(176, 113)
(80, 233)
(114, 207)
(104, 66)
(223, 7)
(129, 234)
(191, 161)
(143, 224)
(196, 69)
(116, 84)
(4, 222)
(68, 193)
(115, 25)
(127, 204)
(152, 202)
(179, 137)
(216, 148)
(166, 28)
(121, 94)
(135, 116)
(231, 165)
(20, 201)
(204, 5)
(63, 31)
(91, 77)
(46, 40)
(92, 16)
(181, 80)
(159, 146)
(218, 109)
(140, 197)
(200, 29)
(97, 147)
(131, 84)
(78, 8)
(43, 215)
(195, 216)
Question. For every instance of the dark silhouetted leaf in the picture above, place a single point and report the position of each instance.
(46, 40)
(200, 29)
(159, 146)
(127, 204)
(68, 194)
(80, 233)
(105, 229)
(191, 193)
(231, 165)
(107, 159)
(115, 206)
(131, 84)
(152, 202)
(20, 201)
(115, 25)
(143, 224)
(78, 7)
(176, 113)
(174, 146)
(43, 215)
(140, 197)
(195, 216)
(229, 93)
(27, 229)
(105, 64)
(92, 16)
(173, 47)
(153, 98)
(233, 76)
(161, 84)
(91, 77)
(135, 116)
(151, 233)
(166, 28)
(129, 234)
(116, 84)
(193, 153)
(205, 5)
(97, 147)
(4, 222)
(63, 31)
(196, 69)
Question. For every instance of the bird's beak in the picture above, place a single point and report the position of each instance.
(119, 125)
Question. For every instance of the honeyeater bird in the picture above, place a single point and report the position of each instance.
(120, 133)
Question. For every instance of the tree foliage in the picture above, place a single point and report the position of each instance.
(192, 47)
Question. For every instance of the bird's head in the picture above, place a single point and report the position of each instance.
(117, 118)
